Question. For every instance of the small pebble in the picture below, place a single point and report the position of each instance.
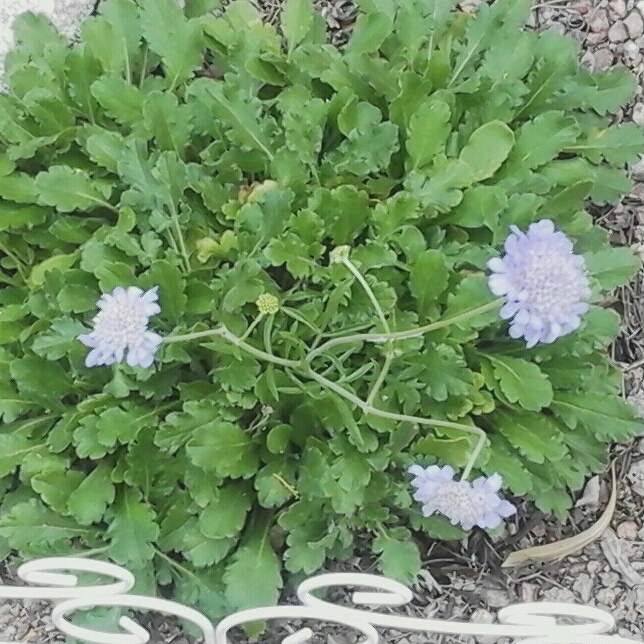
(583, 586)
(603, 59)
(639, 599)
(627, 529)
(563, 595)
(636, 477)
(607, 596)
(529, 592)
(588, 61)
(618, 8)
(539, 529)
(634, 24)
(618, 32)
(482, 616)
(594, 567)
(495, 598)
(609, 579)
(599, 21)
(596, 38)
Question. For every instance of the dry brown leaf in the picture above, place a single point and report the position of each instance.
(565, 547)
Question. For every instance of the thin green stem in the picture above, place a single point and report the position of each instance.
(172, 242)
(223, 332)
(128, 71)
(403, 335)
(268, 331)
(91, 553)
(182, 243)
(17, 262)
(430, 46)
(196, 335)
(370, 294)
(174, 564)
(144, 65)
(474, 456)
(252, 326)
(381, 377)
(347, 354)
(368, 409)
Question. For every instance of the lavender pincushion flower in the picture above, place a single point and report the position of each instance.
(122, 324)
(544, 282)
(463, 503)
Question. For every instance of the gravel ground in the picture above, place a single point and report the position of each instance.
(464, 580)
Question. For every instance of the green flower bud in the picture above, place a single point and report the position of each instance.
(267, 304)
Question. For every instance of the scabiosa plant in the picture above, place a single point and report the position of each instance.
(122, 325)
(464, 503)
(229, 192)
(544, 282)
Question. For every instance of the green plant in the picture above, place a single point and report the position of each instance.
(209, 158)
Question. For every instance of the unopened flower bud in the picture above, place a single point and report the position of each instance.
(267, 304)
(339, 254)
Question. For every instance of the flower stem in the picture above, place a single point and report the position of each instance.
(473, 456)
(191, 336)
(91, 553)
(224, 333)
(16, 261)
(381, 377)
(403, 418)
(367, 407)
(370, 294)
(182, 243)
(252, 326)
(403, 335)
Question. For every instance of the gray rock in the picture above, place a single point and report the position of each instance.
(563, 595)
(636, 477)
(588, 61)
(639, 599)
(618, 32)
(618, 8)
(495, 598)
(638, 113)
(596, 38)
(482, 616)
(626, 530)
(603, 59)
(557, 28)
(634, 24)
(609, 579)
(607, 596)
(583, 586)
(599, 21)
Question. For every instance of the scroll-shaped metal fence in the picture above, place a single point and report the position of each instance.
(527, 623)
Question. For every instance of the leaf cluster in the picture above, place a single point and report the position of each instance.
(220, 160)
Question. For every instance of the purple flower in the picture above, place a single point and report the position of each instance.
(122, 324)
(544, 282)
(464, 503)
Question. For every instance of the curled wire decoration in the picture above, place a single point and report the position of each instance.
(58, 585)
(135, 633)
(518, 620)
(528, 623)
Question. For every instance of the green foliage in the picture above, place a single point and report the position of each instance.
(212, 158)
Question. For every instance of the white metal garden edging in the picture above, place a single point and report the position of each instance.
(529, 623)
